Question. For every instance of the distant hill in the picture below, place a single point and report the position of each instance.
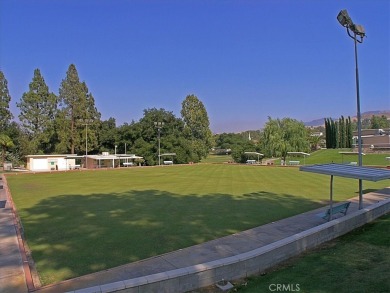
(368, 114)
(317, 122)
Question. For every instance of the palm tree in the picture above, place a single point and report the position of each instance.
(5, 143)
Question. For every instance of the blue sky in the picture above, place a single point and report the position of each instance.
(245, 60)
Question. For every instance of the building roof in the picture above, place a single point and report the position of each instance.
(348, 171)
(47, 156)
(298, 153)
(253, 153)
(113, 157)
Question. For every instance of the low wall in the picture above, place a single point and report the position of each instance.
(246, 264)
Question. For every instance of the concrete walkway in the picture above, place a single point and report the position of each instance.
(12, 277)
(12, 273)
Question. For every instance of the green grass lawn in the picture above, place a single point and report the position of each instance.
(356, 262)
(333, 155)
(80, 222)
(319, 157)
(213, 159)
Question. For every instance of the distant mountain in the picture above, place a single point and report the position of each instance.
(368, 114)
(317, 122)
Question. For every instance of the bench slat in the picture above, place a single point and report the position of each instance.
(342, 208)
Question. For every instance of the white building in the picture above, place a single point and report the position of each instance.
(71, 162)
(51, 162)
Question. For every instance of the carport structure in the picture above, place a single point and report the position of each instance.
(299, 154)
(168, 155)
(109, 161)
(347, 171)
(254, 154)
(128, 160)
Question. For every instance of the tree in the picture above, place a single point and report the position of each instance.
(77, 112)
(336, 143)
(197, 125)
(91, 119)
(338, 134)
(5, 143)
(5, 98)
(108, 135)
(237, 144)
(141, 138)
(126, 135)
(37, 112)
(327, 133)
(331, 133)
(349, 132)
(315, 141)
(282, 136)
(171, 137)
(342, 132)
(379, 122)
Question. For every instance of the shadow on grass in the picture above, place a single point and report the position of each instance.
(72, 235)
(367, 190)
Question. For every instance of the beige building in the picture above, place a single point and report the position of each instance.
(375, 139)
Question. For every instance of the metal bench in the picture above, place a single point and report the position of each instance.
(342, 208)
(168, 162)
(293, 162)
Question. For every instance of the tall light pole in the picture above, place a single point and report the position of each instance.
(357, 30)
(159, 125)
(86, 122)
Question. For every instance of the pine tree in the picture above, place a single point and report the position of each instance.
(77, 112)
(37, 112)
(5, 98)
(91, 120)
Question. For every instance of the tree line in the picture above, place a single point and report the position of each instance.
(70, 122)
(338, 133)
(277, 138)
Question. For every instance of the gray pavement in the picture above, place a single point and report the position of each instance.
(11, 265)
(12, 278)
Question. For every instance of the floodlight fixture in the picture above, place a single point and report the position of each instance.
(344, 19)
(357, 30)
(159, 124)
